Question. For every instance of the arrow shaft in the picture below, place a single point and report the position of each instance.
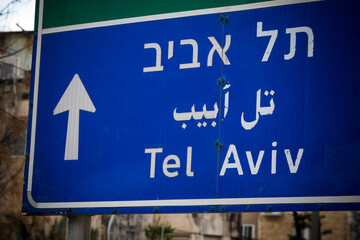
(72, 135)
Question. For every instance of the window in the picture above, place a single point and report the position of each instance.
(9, 68)
(18, 146)
(130, 234)
(248, 231)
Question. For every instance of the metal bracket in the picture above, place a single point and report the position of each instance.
(221, 81)
(219, 145)
(224, 19)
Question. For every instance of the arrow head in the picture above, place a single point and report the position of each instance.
(75, 97)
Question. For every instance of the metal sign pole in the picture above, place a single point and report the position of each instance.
(78, 227)
(315, 225)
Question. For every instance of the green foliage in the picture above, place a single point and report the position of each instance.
(153, 232)
(21, 229)
(303, 221)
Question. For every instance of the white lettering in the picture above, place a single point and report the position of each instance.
(236, 164)
(273, 159)
(293, 168)
(153, 152)
(170, 49)
(189, 173)
(195, 63)
(261, 33)
(219, 50)
(157, 66)
(166, 165)
(254, 169)
(292, 32)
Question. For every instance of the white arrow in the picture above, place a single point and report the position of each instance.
(74, 99)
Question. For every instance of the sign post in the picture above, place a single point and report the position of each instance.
(199, 108)
(78, 227)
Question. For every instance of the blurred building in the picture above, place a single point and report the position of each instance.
(15, 66)
(226, 226)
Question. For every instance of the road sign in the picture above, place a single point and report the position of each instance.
(247, 107)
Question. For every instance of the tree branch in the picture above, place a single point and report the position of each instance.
(4, 185)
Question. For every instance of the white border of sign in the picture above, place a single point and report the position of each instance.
(159, 203)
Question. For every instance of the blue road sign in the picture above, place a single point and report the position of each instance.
(187, 112)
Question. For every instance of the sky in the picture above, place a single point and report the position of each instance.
(20, 12)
